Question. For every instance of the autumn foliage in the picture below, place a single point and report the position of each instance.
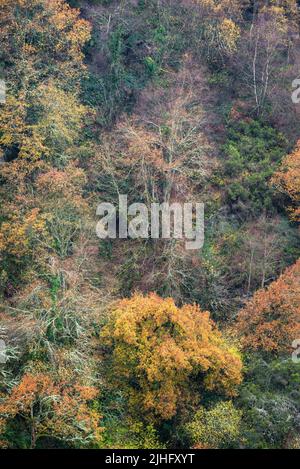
(163, 357)
(270, 321)
(50, 409)
(142, 343)
(42, 115)
(287, 180)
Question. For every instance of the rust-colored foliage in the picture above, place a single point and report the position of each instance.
(271, 320)
(52, 409)
(287, 179)
(162, 356)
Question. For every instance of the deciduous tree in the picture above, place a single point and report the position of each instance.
(287, 180)
(270, 321)
(163, 357)
(50, 409)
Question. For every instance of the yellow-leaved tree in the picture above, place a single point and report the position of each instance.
(51, 409)
(42, 58)
(163, 357)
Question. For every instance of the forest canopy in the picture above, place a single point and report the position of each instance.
(141, 343)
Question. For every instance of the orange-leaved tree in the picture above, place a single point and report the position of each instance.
(270, 321)
(287, 180)
(51, 409)
(162, 357)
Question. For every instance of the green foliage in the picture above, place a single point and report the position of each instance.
(127, 434)
(218, 427)
(270, 401)
(112, 86)
(252, 153)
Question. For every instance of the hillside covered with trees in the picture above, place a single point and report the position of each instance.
(142, 343)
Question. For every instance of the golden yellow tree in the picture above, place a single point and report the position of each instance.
(41, 39)
(42, 115)
(162, 356)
